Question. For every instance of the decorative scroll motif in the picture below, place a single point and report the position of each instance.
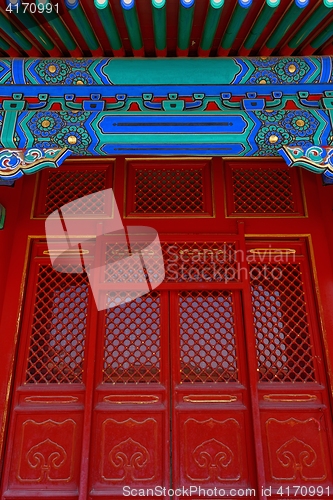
(129, 450)
(46, 457)
(130, 456)
(134, 110)
(46, 451)
(214, 456)
(210, 398)
(15, 162)
(317, 159)
(298, 455)
(125, 399)
(212, 450)
(296, 450)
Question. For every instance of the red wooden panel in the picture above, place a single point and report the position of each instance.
(294, 405)
(73, 180)
(101, 391)
(45, 451)
(131, 425)
(169, 188)
(212, 442)
(297, 449)
(45, 434)
(255, 189)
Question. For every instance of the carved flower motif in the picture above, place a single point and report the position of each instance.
(79, 77)
(74, 116)
(45, 124)
(272, 116)
(291, 69)
(79, 63)
(272, 137)
(263, 77)
(52, 70)
(300, 123)
(75, 138)
(264, 62)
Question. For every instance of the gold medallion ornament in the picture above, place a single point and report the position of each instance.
(72, 139)
(273, 139)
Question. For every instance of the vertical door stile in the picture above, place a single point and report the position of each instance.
(252, 363)
(212, 433)
(89, 386)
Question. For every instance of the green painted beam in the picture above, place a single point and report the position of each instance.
(261, 22)
(211, 23)
(133, 26)
(317, 42)
(106, 16)
(79, 18)
(288, 19)
(4, 45)
(36, 31)
(312, 23)
(2, 216)
(160, 26)
(58, 26)
(237, 18)
(185, 22)
(13, 33)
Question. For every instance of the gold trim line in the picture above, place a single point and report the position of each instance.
(210, 398)
(51, 399)
(290, 398)
(130, 400)
(272, 251)
(62, 250)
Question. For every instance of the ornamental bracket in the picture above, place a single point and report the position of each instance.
(14, 163)
(317, 159)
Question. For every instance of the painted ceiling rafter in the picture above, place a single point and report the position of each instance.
(128, 27)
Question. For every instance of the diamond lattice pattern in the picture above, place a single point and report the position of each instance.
(57, 340)
(132, 341)
(65, 186)
(200, 262)
(119, 268)
(207, 337)
(284, 350)
(262, 191)
(169, 191)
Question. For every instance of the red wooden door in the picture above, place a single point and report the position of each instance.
(214, 384)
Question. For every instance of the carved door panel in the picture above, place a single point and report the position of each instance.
(131, 428)
(292, 384)
(46, 427)
(92, 389)
(97, 395)
(212, 415)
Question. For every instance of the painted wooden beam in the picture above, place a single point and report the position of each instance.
(218, 107)
(110, 27)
